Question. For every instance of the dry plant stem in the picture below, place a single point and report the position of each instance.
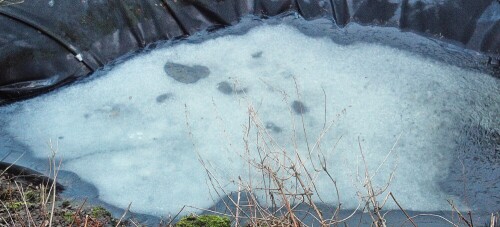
(236, 223)
(432, 215)
(252, 205)
(123, 216)
(279, 183)
(54, 194)
(55, 171)
(135, 224)
(6, 223)
(8, 212)
(335, 222)
(295, 171)
(384, 201)
(172, 219)
(252, 201)
(213, 179)
(200, 159)
(320, 139)
(210, 211)
(307, 141)
(302, 116)
(307, 193)
(25, 203)
(211, 175)
(258, 210)
(387, 156)
(308, 213)
(78, 211)
(379, 221)
(470, 218)
(86, 220)
(325, 169)
(8, 167)
(401, 208)
(459, 213)
(464, 180)
(280, 169)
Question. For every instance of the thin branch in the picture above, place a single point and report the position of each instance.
(123, 216)
(401, 208)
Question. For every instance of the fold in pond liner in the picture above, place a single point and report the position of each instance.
(44, 44)
(47, 44)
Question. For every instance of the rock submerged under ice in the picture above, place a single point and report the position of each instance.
(273, 128)
(228, 89)
(299, 107)
(186, 74)
(163, 97)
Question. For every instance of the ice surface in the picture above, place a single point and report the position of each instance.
(128, 132)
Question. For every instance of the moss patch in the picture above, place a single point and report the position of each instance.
(204, 221)
(15, 205)
(69, 217)
(100, 212)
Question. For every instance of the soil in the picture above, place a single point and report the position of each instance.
(25, 203)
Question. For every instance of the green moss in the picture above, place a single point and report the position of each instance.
(100, 212)
(32, 196)
(204, 221)
(69, 216)
(15, 205)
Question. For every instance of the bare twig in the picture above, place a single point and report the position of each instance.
(459, 213)
(123, 216)
(54, 181)
(8, 212)
(401, 208)
(431, 215)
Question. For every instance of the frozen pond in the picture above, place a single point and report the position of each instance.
(137, 131)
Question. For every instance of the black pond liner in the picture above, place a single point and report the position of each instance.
(47, 44)
(44, 46)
